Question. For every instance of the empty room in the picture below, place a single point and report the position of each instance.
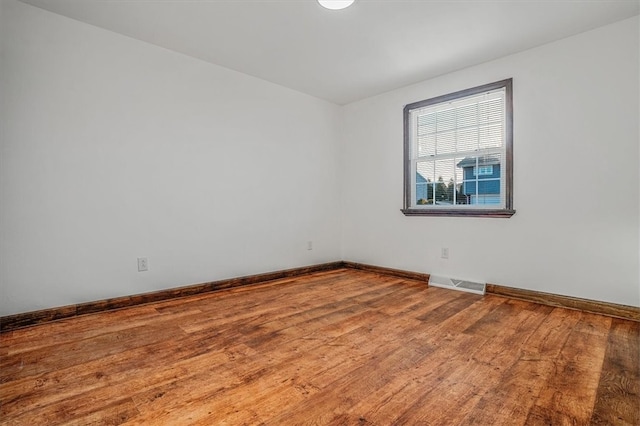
(292, 212)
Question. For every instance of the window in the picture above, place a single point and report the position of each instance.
(458, 153)
(482, 170)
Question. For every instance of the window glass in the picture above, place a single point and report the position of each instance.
(458, 153)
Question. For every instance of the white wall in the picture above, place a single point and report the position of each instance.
(113, 149)
(576, 143)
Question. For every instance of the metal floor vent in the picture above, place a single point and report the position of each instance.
(455, 284)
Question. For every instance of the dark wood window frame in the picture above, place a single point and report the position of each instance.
(508, 210)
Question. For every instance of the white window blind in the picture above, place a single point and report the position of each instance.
(450, 142)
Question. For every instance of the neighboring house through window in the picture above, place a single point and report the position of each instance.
(459, 153)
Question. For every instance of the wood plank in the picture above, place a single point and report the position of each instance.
(478, 369)
(27, 319)
(569, 394)
(618, 394)
(21, 320)
(345, 346)
(520, 384)
(90, 372)
(390, 401)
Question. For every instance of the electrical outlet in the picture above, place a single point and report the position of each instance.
(309, 245)
(444, 253)
(143, 264)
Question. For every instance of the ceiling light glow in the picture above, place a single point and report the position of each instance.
(335, 4)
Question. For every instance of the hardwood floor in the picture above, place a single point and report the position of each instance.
(336, 347)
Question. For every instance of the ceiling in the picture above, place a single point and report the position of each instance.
(342, 56)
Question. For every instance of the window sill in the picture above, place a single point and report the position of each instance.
(501, 213)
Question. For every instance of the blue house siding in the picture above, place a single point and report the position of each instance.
(487, 184)
(484, 188)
